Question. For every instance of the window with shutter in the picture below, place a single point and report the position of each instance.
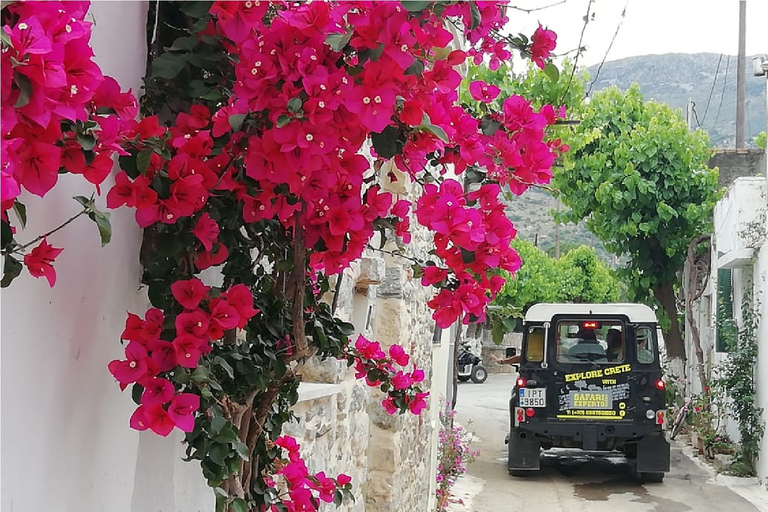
(724, 308)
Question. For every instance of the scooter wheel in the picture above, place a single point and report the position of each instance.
(479, 374)
(463, 378)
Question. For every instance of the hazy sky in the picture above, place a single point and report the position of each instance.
(649, 27)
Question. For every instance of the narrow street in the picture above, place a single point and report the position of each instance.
(572, 481)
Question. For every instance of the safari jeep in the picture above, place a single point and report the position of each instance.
(589, 378)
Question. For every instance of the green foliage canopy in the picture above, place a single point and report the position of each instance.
(579, 276)
(639, 179)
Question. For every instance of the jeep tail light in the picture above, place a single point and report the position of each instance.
(520, 382)
(660, 384)
(660, 417)
(529, 412)
(519, 415)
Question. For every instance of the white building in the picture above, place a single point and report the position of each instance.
(739, 268)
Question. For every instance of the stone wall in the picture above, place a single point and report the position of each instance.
(736, 163)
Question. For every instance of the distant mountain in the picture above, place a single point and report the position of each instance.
(674, 78)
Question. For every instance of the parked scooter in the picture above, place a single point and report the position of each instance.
(470, 366)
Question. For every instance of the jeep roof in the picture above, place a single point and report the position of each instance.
(543, 312)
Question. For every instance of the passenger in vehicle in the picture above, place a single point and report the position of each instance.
(587, 346)
(615, 350)
(644, 354)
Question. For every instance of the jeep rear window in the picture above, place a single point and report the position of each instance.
(645, 349)
(589, 341)
(535, 348)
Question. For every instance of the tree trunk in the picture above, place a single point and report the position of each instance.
(665, 294)
(692, 293)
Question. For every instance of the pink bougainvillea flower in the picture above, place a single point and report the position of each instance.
(157, 391)
(418, 403)
(134, 368)
(40, 260)
(397, 353)
(484, 92)
(98, 170)
(190, 292)
(188, 349)
(401, 380)
(216, 256)
(37, 167)
(157, 419)
(182, 409)
(193, 322)
(162, 355)
(10, 188)
(224, 314)
(544, 41)
(241, 298)
(206, 230)
(343, 479)
(417, 375)
(389, 405)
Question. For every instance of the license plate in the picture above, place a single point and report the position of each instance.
(533, 397)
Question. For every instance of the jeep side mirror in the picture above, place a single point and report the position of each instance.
(510, 352)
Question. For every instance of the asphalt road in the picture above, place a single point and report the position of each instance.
(573, 481)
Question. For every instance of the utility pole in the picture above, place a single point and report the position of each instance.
(689, 114)
(741, 82)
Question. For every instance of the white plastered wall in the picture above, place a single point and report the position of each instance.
(66, 443)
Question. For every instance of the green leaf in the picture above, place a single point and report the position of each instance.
(417, 68)
(489, 126)
(25, 89)
(143, 159)
(86, 202)
(186, 43)
(337, 42)
(436, 131)
(220, 361)
(552, 72)
(415, 5)
(283, 120)
(236, 121)
(4, 37)
(294, 105)
(376, 52)
(11, 270)
(21, 212)
(200, 375)
(168, 65)
(238, 505)
(87, 141)
(217, 423)
(476, 16)
(386, 142)
(136, 391)
(241, 449)
(102, 222)
(497, 332)
(196, 9)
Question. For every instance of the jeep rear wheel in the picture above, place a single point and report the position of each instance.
(652, 477)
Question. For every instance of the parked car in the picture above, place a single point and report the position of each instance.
(589, 378)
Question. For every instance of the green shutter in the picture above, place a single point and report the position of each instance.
(724, 307)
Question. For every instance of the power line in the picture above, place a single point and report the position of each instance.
(578, 52)
(600, 67)
(722, 94)
(712, 89)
